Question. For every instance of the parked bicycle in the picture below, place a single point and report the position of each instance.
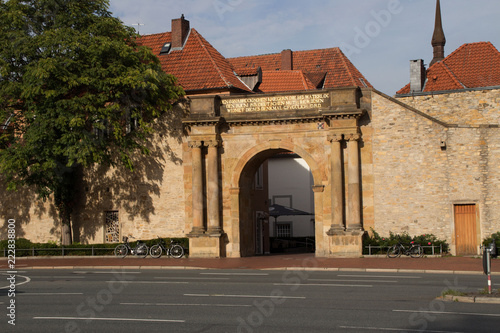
(174, 249)
(413, 250)
(140, 249)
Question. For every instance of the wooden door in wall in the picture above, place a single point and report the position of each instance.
(465, 229)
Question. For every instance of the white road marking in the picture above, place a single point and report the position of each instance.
(59, 277)
(381, 276)
(17, 284)
(237, 274)
(386, 329)
(244, 296)
(154, 282)
(112, 319)
(325, 285)
(47, 294)
(452, 313)
(112, 272)
(335, 280)
(190, 278)
(192, 304)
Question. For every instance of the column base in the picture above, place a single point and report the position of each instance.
(350, 244)
(205, 246)
(354, 227)
(196, 232)
(214, 231)
(336, 230)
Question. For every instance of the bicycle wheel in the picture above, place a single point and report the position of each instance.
(394, 252)
(155, 251)
(121, 251)
(176, 251)
(416, 251)
(141, 250)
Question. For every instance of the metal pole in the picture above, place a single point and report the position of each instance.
(488, 269)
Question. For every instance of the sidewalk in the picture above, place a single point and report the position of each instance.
(464, 265)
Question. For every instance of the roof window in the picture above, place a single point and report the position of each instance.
(166, 48)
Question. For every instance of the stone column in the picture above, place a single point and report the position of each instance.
(337, 225)
(354, 189)
(213, 212)
(197, 179)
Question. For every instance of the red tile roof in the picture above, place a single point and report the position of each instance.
(281, 81)
(473, 65)
(198, 66)
(332, 64)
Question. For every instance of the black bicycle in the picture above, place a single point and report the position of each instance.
(174, 249)
(413, 250)
(140, 249)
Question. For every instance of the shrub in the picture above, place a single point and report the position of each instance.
(386, 242)
(494, 237)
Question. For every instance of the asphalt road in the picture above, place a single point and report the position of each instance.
(104, 300)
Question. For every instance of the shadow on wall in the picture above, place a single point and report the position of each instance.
(23, 206)
(104, 188)
(101, 189)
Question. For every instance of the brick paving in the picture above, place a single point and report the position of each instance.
(288, 261)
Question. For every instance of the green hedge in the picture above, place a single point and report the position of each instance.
(24, 247)
(405, 238)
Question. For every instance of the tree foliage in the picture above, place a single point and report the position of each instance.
(77, 90)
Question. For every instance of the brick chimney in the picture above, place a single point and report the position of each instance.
(180, 31)
(286, 60)
(417, 75)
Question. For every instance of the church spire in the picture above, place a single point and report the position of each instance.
(438, 39)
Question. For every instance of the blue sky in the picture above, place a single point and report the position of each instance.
(380, 37)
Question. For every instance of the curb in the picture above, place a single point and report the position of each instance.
(315, 269)
(471, 299)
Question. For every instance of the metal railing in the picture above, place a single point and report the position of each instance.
(432, 247)
(64, 250)
(309, 243)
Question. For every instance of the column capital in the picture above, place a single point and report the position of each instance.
(318, 188)
(213, 143)
(195, 144)
(234, 190)
(334, 137)
(353, 136)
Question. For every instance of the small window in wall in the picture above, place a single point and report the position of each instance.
(284, 229)
(112, 227)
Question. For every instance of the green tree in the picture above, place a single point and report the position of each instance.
(77, 90)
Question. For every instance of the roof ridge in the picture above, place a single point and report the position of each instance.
(277, 53)
(216, 66)
(155, 34)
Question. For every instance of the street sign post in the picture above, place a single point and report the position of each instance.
(489, 252)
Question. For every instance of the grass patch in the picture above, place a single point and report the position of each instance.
(452, 292)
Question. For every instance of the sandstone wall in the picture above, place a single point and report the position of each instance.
(425, 165)
(149, 201)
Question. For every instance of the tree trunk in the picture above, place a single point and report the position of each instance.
(65, 215)
(66, 234)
